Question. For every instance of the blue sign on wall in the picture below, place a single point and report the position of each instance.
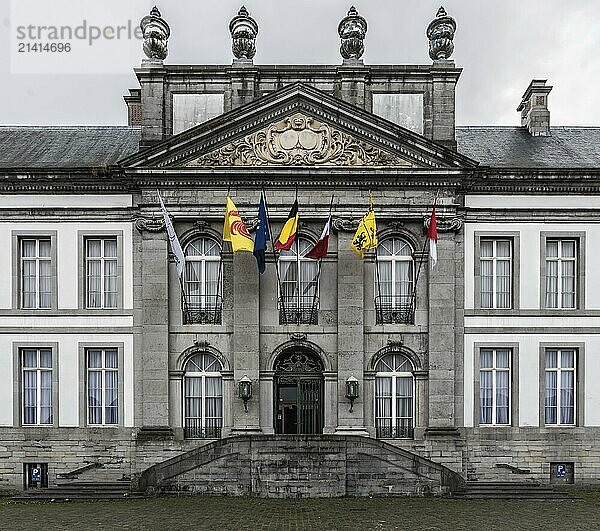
(561, 471)
(36, 474)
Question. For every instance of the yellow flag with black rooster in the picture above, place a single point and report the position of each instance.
(365, 237)
(235, 230)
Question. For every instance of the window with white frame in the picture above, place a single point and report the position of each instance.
(496, 272)
(394, 282)
(561, 270)
(36, 273)
(494, 386)
(394, 397)
(202, 281)
(101, 270)
(299, 295)
(560, 386)
(203, 397)
(102, 386)
(36, 366)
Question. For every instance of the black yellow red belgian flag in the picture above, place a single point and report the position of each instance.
(288, 233)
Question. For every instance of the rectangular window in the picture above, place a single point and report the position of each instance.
(36, 366)
(36, 273)
(561, 270)
(101, 272)
(496, 273)
(494, 390)
(560, 386)
(102, 386)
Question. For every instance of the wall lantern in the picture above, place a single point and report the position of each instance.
(351, 390)
(245, 390)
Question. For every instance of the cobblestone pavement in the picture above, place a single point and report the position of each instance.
(322, 514)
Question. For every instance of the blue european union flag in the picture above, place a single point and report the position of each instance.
(262, 235)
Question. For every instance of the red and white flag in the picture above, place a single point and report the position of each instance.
(432, 237)
(320, 248)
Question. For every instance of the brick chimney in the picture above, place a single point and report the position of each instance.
(535, 115)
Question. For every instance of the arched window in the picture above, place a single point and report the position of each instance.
(203, 397)
(394, 282)
(394, 397)
(299, 297)
(202, 280)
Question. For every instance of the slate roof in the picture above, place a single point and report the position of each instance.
(514, 147)
(66, 146)
(95, 146)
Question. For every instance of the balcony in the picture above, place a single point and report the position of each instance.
(202, 309)
(394, 310)
(394, 432)
(198, 432)
(299, 310)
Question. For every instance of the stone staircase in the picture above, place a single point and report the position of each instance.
(80, 490)
(509, 490)
(283, 466)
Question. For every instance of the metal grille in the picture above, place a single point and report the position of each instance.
(197, 432)
(299, 310)
(202, 309)
(395, 432)
(309, 407)
(394, 310)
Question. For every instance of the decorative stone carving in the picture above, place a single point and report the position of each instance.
(298, 337)
(395, 344)
(299, 141)
(298, 362)
(352, 30)
(440, 33)
(201, 344)
(453, 224)
(156, 34)
(243, 29)
(154, 224)
(345, 225)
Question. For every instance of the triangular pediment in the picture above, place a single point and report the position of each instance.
(298, 126)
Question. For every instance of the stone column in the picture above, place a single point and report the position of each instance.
(445, 76)
(176, 402)
(152, 332)
(350, 336)
(267, 402)
(243, 84)
(152, 83)
(245, 342)
(441, 336)
(353, 85)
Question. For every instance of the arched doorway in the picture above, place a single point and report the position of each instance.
(298, 393)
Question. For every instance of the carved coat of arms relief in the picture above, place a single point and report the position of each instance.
(299, 140)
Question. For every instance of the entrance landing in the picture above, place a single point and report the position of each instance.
(280, 466)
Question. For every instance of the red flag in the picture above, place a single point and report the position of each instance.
(320, 248)
(432, 237)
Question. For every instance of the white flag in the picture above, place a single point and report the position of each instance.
(173, 240)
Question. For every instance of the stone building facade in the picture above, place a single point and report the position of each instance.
(480, 368)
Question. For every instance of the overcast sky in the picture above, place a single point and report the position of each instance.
(501, 45)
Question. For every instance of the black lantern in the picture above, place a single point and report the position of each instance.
(245, 390)
(351, 390)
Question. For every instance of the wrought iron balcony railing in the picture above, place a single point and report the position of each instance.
(202, 309)
(394, 310)
(198, 432)
(299, 310)
(395, 432)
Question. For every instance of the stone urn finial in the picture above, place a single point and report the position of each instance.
(440, 33)
(244, 30)
(156, 34)
(352, 30)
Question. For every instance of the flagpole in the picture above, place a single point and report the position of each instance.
(184, 302)
(313, 306)
(275, 255)
(220, 275)
(414, 293)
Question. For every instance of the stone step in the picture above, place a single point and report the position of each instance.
(509, 490)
